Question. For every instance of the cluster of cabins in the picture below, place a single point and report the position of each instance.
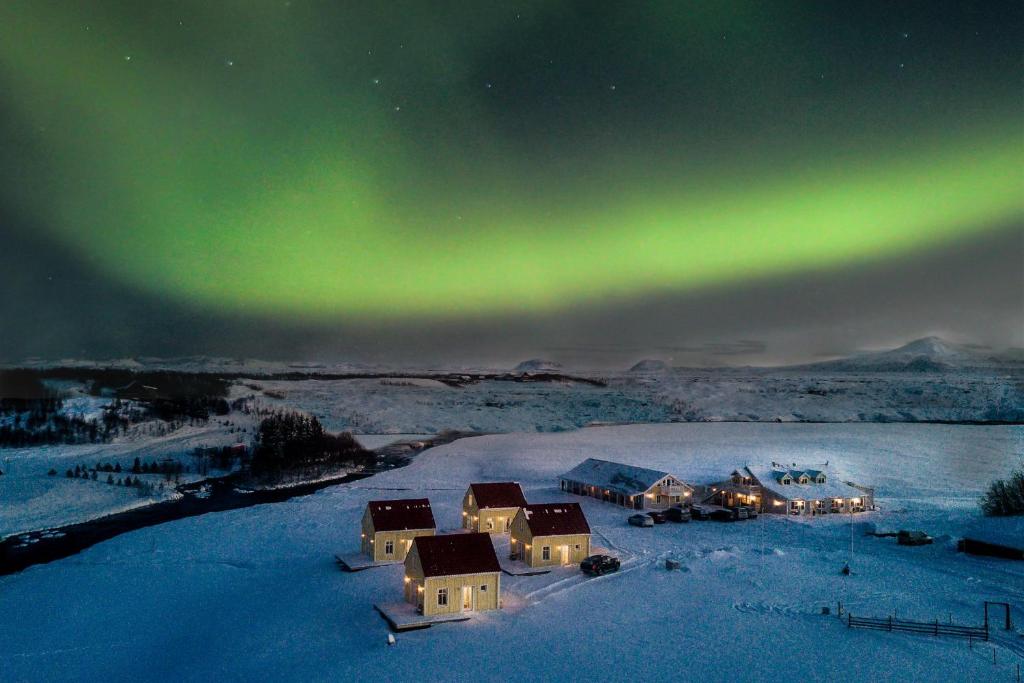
(459, 572)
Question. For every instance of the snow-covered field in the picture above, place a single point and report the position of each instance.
(254, 594)
(31, 500)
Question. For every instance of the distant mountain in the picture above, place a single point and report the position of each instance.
(535, 365)
(930, 354)
(650, 365)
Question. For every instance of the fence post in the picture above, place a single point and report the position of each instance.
(936, 627)
(890, 624)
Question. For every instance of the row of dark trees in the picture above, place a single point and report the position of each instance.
(1005, 496)
(38, 416)
(293, 441)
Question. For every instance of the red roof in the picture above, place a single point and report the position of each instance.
(556, 519)
(501, 494)
(399, 515)
(454, 554)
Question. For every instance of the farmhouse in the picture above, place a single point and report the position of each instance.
(626, 485)
(389, 527)
(549, 534)
(453, 573)
(791, 490)
(491, 507)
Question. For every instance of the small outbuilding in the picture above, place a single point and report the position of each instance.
(630, 486)
(490, 507)
(389, 527)
(453, 573)
(548, 534)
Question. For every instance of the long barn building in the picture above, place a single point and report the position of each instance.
(630, 486)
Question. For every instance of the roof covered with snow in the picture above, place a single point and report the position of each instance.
(455, 554)
(498, 494)
(770, 478)
(615, 476)
(398, 515)
(555, 519)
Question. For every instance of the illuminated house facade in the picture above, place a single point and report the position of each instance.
(452, 573)
(389, 527)
(550, 534)
(492, 506)
(633, 487)
(791, 490)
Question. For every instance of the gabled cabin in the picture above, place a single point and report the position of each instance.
(453, 573)
(490, 507)
(630, 486)
(790, 490)
(389, 527)
(548, 534)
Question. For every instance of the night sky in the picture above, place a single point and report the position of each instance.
(482, 182)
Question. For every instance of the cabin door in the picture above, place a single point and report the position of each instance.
(467, 598)
(565, 554)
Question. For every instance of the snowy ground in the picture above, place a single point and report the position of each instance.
(679, 395)
(254, 594)
(31, 500)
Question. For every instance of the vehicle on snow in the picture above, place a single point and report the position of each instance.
(640, 520)
(658, 516)
(678, 514)
(596, 565)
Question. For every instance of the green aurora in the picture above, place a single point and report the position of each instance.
(365, 174)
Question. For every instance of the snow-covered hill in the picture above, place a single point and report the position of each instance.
(537, 365)
(930, 354)
(650, 365)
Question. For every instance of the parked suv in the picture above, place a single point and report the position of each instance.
(640, 520)
(678, 514)
(658, 516)
(596, 565)
(739, 513)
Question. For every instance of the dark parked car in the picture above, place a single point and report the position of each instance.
(905, 537)
(658, 516)
(751, 512)
(640, 520)
(700, 512)
(721, 515)
(596, 565)
(739, 513)
(678, 514)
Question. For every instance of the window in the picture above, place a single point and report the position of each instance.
(483, 588)
(508, 524)
(577, 546)
(442, 597)
(545, 553)
(389, 547)
(490, 523)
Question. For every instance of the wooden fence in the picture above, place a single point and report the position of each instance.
(929, 628)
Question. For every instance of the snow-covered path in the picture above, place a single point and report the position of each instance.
(254, 594)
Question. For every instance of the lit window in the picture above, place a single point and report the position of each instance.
(490, 523)
(545, 553)
(442, 596)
